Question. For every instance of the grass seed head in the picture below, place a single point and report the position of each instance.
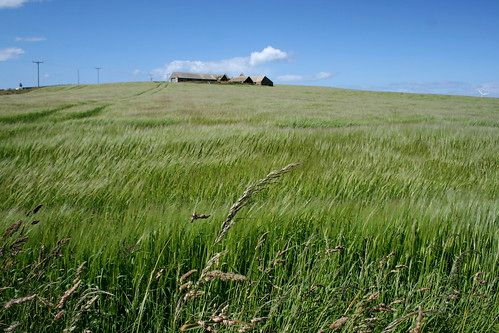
(382, 307)
(67, 294)
(187, 275)
(196, 216)
(246, 328)
(419, 322)
(185, 286)
(20, 300)
(12, 327)
(12, 229)
(259, 320)
(339, 248)
(192, 294)
(373, 296)
(89, 303)
(246, 196)
(59, 315)
(219, 275)
(159, 273)
(215, 260)
(397, 301)
(218, 318)
(338, 324)
(478, 278)
(80, 269)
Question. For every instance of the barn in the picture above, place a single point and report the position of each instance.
(241, 79)
(193, 77)
(262, 81)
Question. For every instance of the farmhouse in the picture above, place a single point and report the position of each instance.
(262, 81)
(241, 79)
(192, 77)
(220, 78)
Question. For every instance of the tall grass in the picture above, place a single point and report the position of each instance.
(390, 223)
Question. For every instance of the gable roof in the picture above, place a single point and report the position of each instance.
(195, 76)
(243, 78)
(260, 78)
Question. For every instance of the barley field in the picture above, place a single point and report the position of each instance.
(155, 207)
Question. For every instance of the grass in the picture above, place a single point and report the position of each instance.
(389, 223)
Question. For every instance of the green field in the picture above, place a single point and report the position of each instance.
(390, 222)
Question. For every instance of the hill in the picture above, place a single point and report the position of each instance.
(389, 220)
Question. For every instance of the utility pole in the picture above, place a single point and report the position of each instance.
(38, 70)
(150, 76)
(78, 75)
(98, 74)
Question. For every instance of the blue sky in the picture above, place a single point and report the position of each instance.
(444, 46)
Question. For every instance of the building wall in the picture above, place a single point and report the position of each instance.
(183, 79)
(266, 82)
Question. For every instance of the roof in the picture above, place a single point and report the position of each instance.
(240, 79)
(195, 76)
(259, 78)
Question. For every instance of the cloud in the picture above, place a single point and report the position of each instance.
(16, 3)
(290, 78)
(137, 72)
(31, 39)
(491, 89)
(323, 76)
(268, 54)
(234, 65)
(10, 53)
(12, 3)
(294, 78)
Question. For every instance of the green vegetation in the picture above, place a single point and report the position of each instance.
(389, 222)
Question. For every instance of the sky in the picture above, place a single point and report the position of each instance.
(438, 46)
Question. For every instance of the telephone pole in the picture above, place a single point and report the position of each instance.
(150, 76)
(78, 75)
(98, 74)
(38, 70)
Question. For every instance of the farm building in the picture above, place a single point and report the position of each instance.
(262, 81)
(192, 77)
(218, 78)
(241, 79)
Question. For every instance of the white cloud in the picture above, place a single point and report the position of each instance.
(231, 66)
(268, 54)
(290, 78)
(294, 78)
(491, 89)
(31, 39)
(10, 53)
(323, 76)
(137, 72)
(12, 3)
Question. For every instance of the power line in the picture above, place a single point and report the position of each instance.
(98, 74)
(38, 70)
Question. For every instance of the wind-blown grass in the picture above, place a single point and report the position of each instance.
(391, 220)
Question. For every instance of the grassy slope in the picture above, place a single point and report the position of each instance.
(396, 179)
